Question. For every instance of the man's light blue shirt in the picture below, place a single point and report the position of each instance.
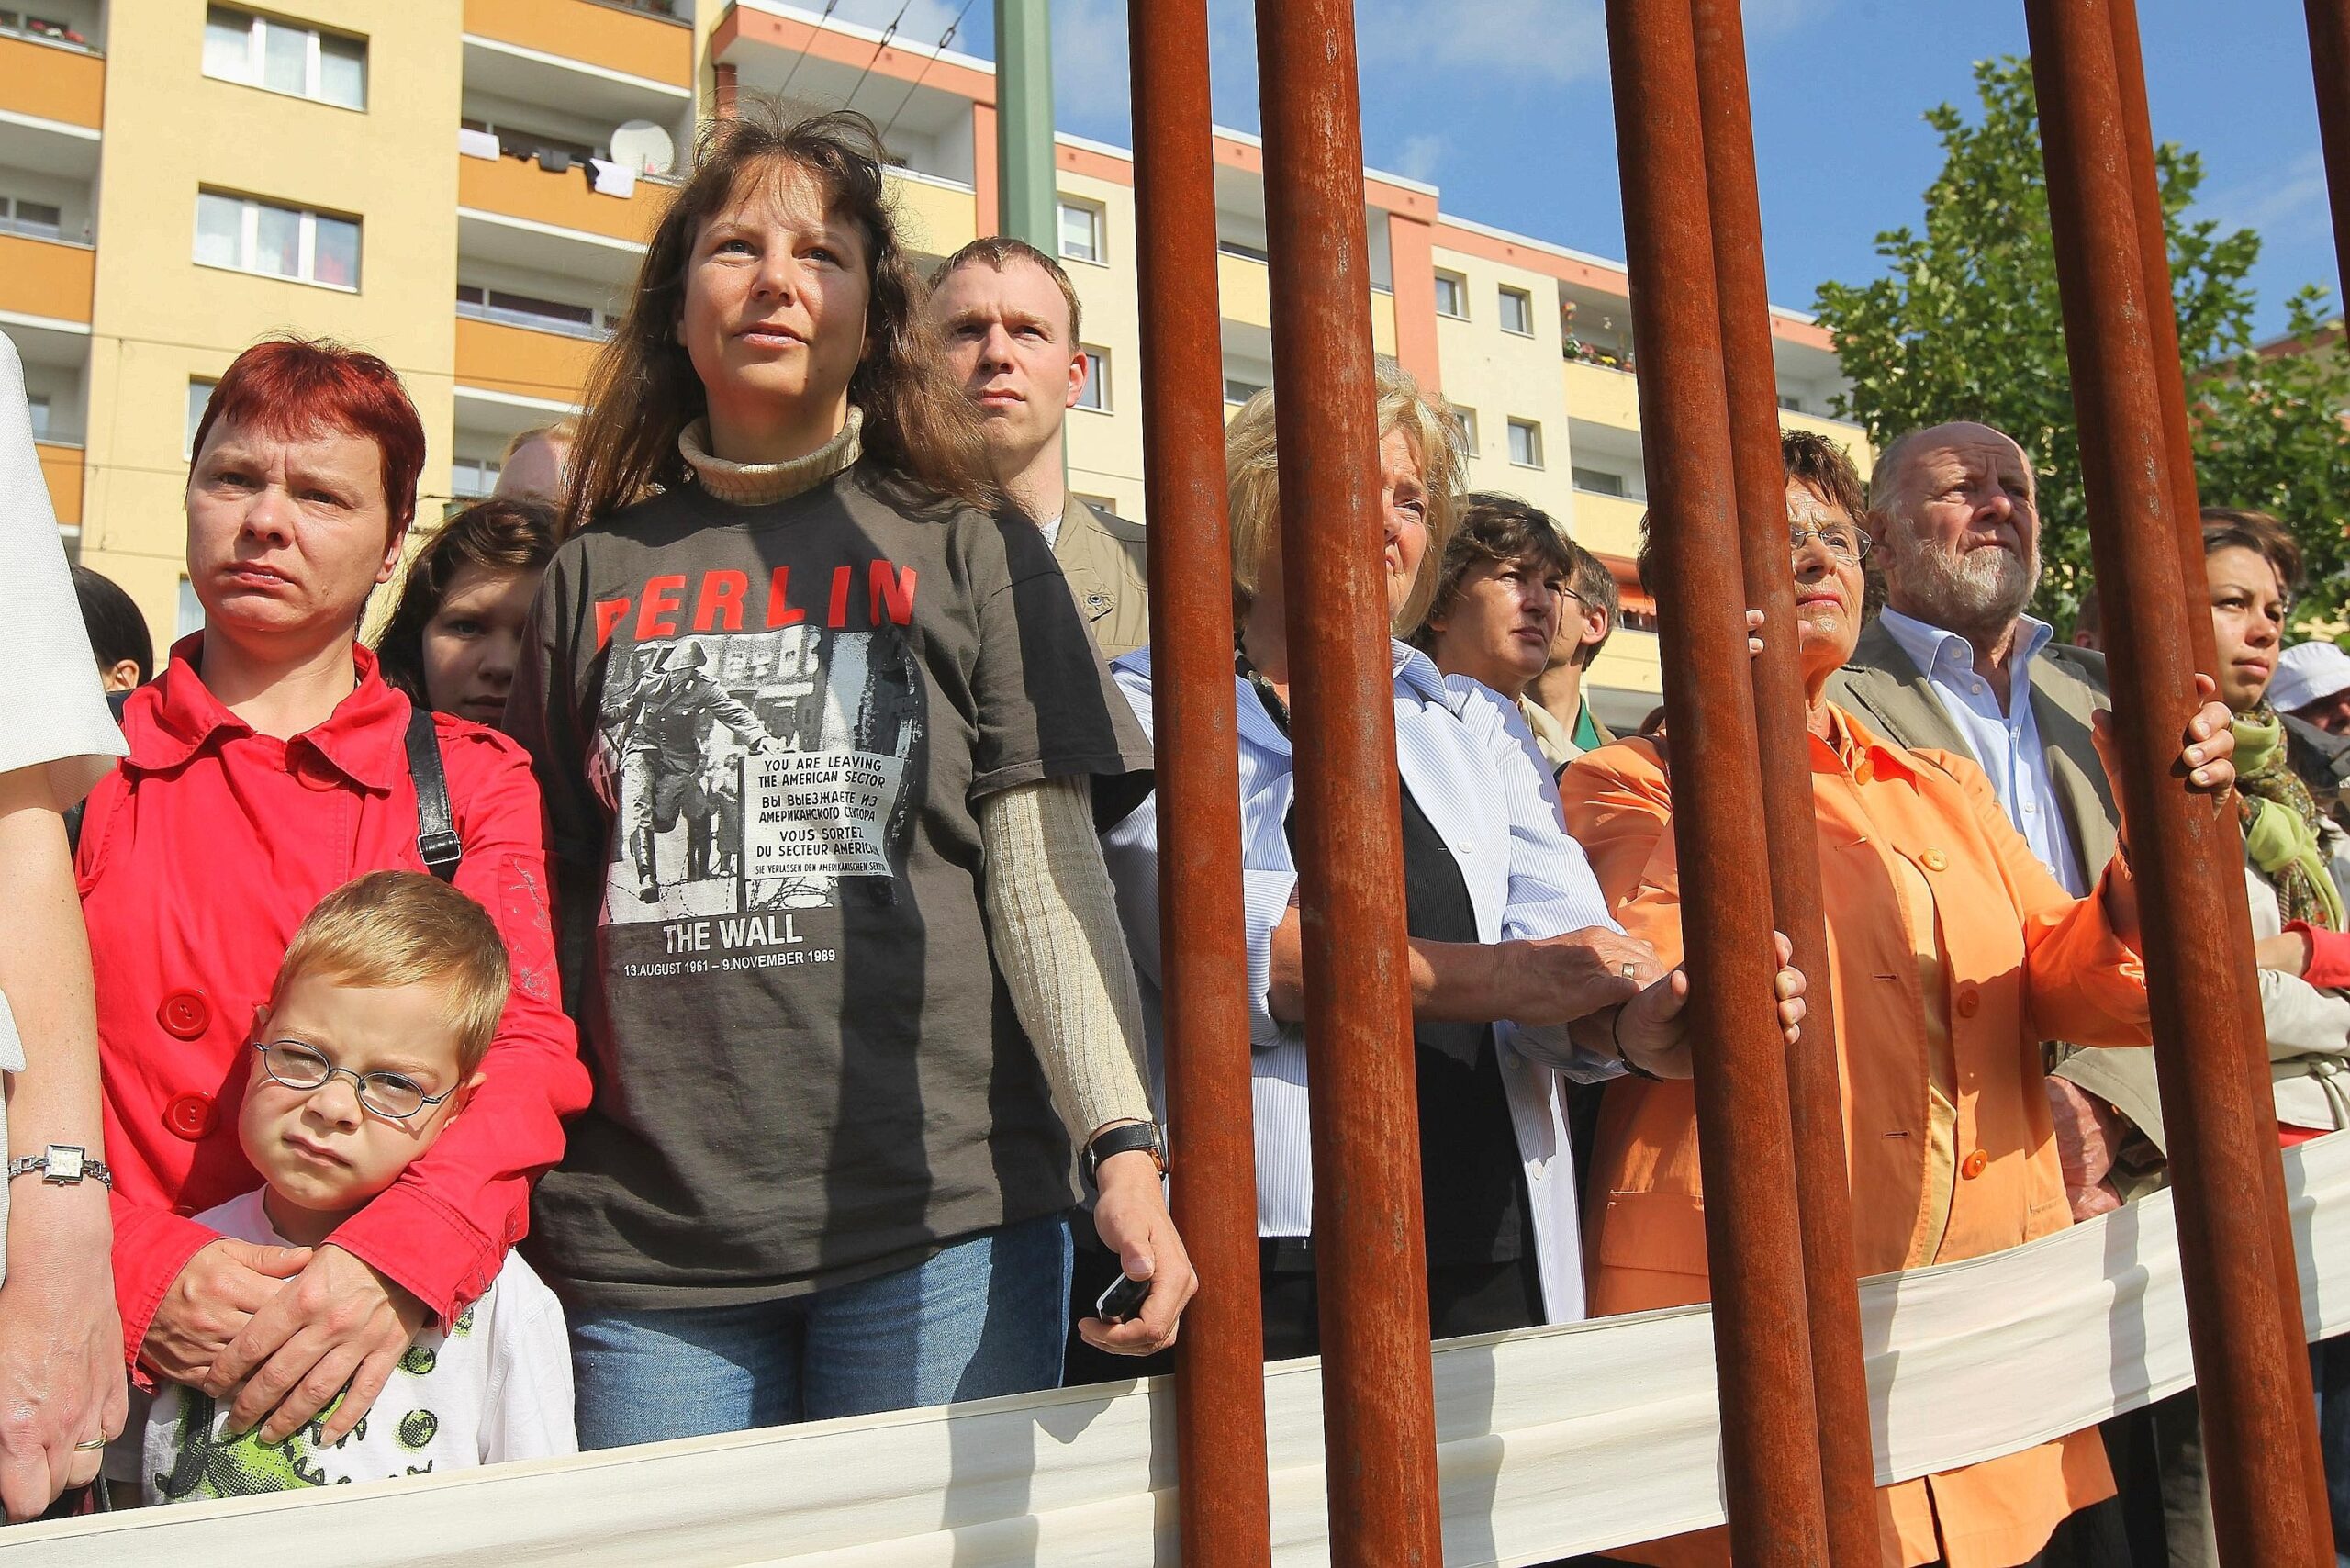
(2007, 744)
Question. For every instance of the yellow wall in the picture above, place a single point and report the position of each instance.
(1502, 375)
(162, 320)
(1105, 451)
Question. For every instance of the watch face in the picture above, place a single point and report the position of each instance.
(65, 1163)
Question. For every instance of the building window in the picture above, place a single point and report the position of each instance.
(1468, 418)
(190, 617)
(285, 57)
(1099, 503)
(530, 144)
(1599, 481)
(199, 397)
(470, 478)
(1243, 249)
(1453, 296)
(277, 241)
(1525, 443)
(521, 311)
(1791, 403)
(48, 28)
(36, 403)
(1081, 231)
(1237, 392)
(1095, 394)
(37, 219)
(1517, 311)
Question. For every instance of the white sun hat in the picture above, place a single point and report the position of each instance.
(2307, 673)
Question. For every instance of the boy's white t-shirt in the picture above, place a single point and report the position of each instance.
(495, 1386)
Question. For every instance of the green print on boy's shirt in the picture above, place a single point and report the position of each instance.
(211, 1464)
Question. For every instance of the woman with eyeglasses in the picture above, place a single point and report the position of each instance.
(1953, 952)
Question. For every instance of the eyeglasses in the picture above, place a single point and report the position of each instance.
(393, 1095)
(1840, 540)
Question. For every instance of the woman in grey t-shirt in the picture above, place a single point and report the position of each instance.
(819, 728)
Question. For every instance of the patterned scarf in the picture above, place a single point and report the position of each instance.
(2280, 823)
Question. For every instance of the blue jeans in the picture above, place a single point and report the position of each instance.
(2330, 1372)
(982, 1318)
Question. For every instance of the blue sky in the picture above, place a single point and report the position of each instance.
(1504, 105)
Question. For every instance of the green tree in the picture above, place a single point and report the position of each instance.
(1966, 324)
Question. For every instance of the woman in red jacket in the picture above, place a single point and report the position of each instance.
(268, 765)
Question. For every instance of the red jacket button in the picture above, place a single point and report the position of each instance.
(1976, 1163)
(190, 1115)
(185, 1014)
(1970, 1001)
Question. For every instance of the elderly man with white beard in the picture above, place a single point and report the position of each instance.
(1953, 663)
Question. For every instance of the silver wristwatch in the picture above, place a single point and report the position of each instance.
(63, 1165)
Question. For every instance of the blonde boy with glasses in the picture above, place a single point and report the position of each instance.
(370, 1044)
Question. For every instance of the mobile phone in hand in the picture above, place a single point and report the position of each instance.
(1121, 1300)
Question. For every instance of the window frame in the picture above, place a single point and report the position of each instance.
(1533, 429)
(1096, 215)
(256, 66)
(1467, 419)
(1097, 381)
(1506, 296)
(13, 221)
(485, 471)
(1459, 284)
(305, 242)
(196, 412)
(1576, 473)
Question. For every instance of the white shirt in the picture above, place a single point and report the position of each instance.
(496, 1387)
(2006, 744)
(1051, 529)
(1470, 763)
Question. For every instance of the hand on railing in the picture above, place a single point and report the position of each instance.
(1651, 1030)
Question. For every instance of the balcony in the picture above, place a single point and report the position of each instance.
(936, 217)
(61, 465)
(522, 361)
(1630, 662)
(1244, 293)
(48, 278)
(59, 82)
(1608, 525)
(1603, 397)
(1850, 437)
(516, 213)
(619, 40)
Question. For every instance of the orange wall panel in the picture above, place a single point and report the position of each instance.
(46, 278)
(516, 189)
(49, 82)
(617, 39)
(61, 466)
(498, 358)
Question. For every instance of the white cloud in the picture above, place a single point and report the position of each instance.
(1543, 40)
(2290, 203)
(1418, 157)
(1090, 77)
(924, 21)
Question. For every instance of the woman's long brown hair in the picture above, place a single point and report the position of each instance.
(644, 391)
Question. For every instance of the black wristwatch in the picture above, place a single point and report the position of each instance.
(1123, 1138)
(63, 1165)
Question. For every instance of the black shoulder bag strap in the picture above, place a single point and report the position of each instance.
(436, 829)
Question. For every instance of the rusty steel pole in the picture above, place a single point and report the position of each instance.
(1754, 1239)
(2170, 388)
(2329, 60)
(2259, 1426)
(1815, 1094)
(1378, 1399)
(1222, 1502)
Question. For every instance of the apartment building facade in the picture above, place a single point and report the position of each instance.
(464, 186)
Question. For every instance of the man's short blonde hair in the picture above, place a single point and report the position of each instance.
(395, 928)
(1251, 463)
(565, 431)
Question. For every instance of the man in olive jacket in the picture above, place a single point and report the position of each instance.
(1009, 315)
(1953, 663)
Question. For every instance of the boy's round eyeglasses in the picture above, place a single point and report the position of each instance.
(389, 1094)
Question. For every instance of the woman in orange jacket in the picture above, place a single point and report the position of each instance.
(1953, 952)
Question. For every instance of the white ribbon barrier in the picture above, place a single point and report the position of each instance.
(1553, 1441)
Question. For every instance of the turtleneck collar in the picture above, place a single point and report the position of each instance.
(758, 484)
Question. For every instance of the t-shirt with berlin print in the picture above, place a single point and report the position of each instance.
(763, 731)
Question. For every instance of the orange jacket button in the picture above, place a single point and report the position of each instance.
(1976, 1165)
(184, 1014)
(1970, 1001)
(191, 1115)
(1935, 860)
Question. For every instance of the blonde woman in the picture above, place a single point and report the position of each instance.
(824, 1172)
(1517, 970)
